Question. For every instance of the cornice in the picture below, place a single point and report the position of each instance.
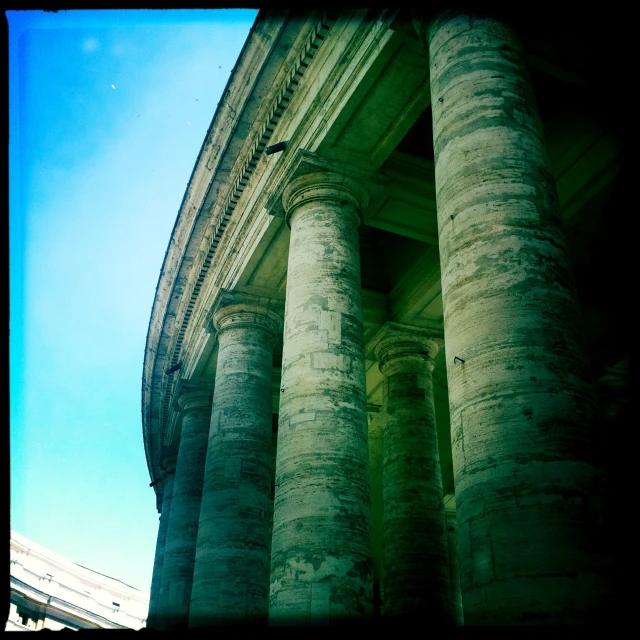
(352, 45)
(246, 169)
(57, 607)
(84, 575)
(257, 48)
(221, 220)
(185, 279)
(372, 36)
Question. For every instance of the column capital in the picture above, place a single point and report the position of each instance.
(233, 309)
(304, 163)
(324, 185)
(168, 464)
(193, 395)
(408, 343)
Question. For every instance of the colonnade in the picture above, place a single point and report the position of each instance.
(522, 411)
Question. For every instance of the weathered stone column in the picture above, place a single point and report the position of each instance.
(321, 546)
(522, 409)
(454, 567)
(156, 579)
(231, 578)
(377, 504)
(416, 569)
(179, 557)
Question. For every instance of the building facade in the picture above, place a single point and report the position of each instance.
(380, 379)
(49, 591)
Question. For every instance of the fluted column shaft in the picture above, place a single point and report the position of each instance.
(321, 546)
(416, 570)
(231, 578)
(185, 506)
(522, 409)
(156, 580)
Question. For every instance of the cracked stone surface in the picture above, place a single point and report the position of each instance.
(231, 577)
(416, 566)
(321, 549)
(156, 584)
(522, 410)
(182, 530)
(454, 568)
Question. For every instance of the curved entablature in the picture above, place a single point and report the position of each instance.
(289, 85)
(280, 47)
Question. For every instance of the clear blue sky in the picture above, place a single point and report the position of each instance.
(108, 111)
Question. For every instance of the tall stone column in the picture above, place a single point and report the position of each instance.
(377, 504)
(321, 545)
(156, 579)
(454, 567)
(416, 569)
(179, 557)
(231, 578)
(522, 409)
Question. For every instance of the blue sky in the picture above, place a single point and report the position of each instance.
(108, 111)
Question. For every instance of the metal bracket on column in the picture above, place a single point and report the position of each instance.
(174, 368)
(275, 148)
